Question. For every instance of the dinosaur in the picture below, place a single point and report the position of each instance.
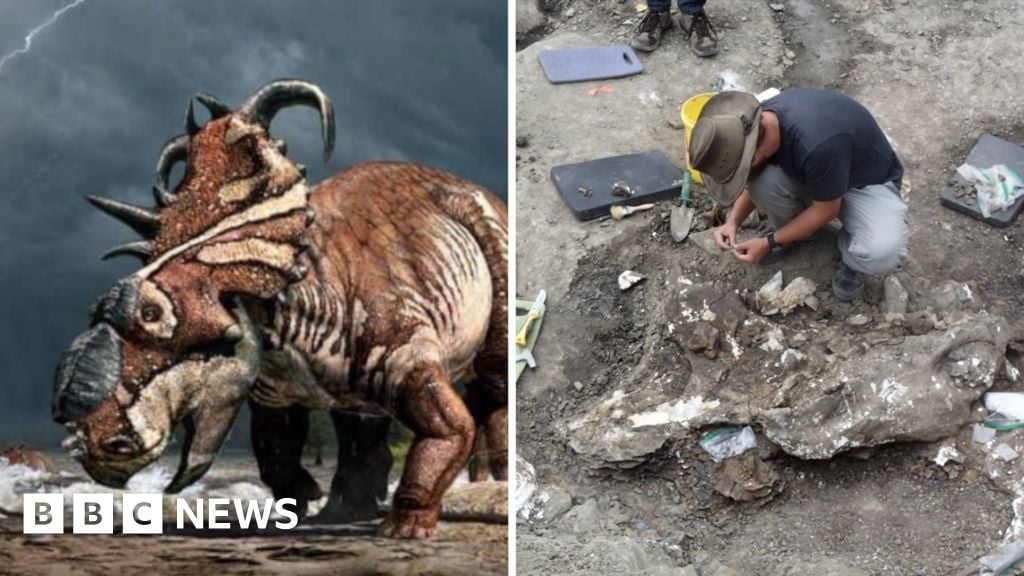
(371, 293)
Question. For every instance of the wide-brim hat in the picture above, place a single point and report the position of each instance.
(722, 143)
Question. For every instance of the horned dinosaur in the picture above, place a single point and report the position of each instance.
(372, 292)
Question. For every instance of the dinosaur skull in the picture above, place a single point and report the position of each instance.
(174, 342)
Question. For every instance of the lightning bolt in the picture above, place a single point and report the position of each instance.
(32, 33)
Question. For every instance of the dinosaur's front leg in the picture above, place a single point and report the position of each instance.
(364, 462)
(429, 406)
(278, 437)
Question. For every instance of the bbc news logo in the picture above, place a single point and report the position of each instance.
(144, 513)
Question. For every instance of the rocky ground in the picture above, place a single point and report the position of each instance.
(462, 547)
(629, 381)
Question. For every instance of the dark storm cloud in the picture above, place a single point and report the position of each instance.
(87, 109)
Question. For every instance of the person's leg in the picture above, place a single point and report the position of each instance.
(697, 28)
(690, 7)
(875, 233)
(656, 20)
(777, 195)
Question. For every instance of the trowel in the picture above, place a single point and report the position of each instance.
(682, 214)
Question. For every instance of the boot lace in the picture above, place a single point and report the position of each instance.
(702, 27)
(650, 22)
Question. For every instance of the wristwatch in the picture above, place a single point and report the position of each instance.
(772, 244)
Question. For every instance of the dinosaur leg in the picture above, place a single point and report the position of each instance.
(480, 463)
(490, 453)
(364, 462)
(278, 436)
(487, 397)
(429, 406)
(488, 406)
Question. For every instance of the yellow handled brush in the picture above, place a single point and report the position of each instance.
(532, 315)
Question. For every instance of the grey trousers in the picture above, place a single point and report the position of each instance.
(875, 233)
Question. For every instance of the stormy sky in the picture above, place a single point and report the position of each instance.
(88, 107)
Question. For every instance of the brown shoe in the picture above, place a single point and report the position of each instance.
(648, 33)
(702, 36)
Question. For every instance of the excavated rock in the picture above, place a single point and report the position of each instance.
(845, 390)
(919, 390)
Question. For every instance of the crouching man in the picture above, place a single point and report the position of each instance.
(804, 157)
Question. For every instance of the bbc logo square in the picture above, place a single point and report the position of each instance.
(43, 514)
(93, 513)
(142, 513)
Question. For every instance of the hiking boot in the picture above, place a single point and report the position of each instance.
(847, 283)
(648, 33)
(701, 34)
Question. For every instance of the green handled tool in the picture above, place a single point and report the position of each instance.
(682, 214)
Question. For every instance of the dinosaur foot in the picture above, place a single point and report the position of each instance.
(411, 524)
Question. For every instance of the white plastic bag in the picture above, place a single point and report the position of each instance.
(728, 442)
(998, 186)
(1009, 404)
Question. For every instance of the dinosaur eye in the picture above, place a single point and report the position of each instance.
(151, 313)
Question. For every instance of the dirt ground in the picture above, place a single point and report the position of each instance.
(465, 548)
(936, 76)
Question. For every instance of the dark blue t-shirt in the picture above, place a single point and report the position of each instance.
(830, 143)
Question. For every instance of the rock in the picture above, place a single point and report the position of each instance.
(522, 141)
(983, 434)
(705, 338)
(629, 278)
(889, 393)
(916, 388)
(583, 519)
(627, 430)
(896, 297)
(559, 502)
(774, 342)
(706, 241)
(777, 7)
(26, 456)
(950, 296)
(1005, 453)
(577, 385)
(858, 320)
(919, 323)
(477, 499)
(529, 18)
(948, 453)
(526, 488)
(710, 311)
(791, 359)
(896, 319)
(772, 299)
(745, 477)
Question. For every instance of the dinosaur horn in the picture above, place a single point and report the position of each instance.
(163, 197)
(174, 151)
(191, 127)
(213, 104)
(142, 250)
(268, 100)
(140, 219)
